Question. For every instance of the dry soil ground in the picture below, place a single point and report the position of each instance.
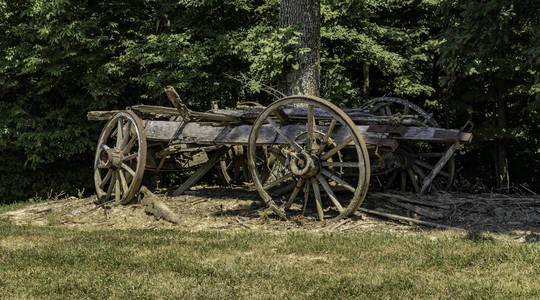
(509, 217)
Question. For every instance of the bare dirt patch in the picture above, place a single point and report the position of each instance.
(513, 217)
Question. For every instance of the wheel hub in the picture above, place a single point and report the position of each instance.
(111, 158)
(305, 165)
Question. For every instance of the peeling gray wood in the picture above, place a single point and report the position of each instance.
(161, 130)
(200, 172)
(435, 134)
(99, 115)
(438, 167)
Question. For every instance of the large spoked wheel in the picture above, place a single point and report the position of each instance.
(324, 157)
(120, 158)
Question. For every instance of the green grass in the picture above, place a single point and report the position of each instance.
(13, 206)
(40, 262)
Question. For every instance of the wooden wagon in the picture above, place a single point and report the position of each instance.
(301, 153)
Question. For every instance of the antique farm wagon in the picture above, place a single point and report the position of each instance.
(298, 152)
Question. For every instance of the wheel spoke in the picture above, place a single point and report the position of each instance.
(403, 180)
(310, 128)
(130, 144)
(430, 154)
(126, 134)
(127, 168)
(430, 167)
(118, 194)
(419, 171)
(345, 164)
(277, 181)
(306, 197)
(120, 134)
(294, 193)
(111, 184)
(130, 156)
(334, 150)
(338, 180)
(413, 180)
(106, 178)
(388, 111)
(423, 164)
(326, 138)
(123, 181)
(285, 137)
(318, 202)
(331, 194)
(391, 179)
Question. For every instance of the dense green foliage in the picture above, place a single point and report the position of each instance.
(61, 58)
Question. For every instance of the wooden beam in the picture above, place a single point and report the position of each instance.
(200, 172)
(161, 130)
(438, 167)
(401, 218)
(163, 111)
(100, 115)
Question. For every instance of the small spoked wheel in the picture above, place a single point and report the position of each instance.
(233, 166)
(324, 157)
(413, 163)
(120, 158)
(388, 106)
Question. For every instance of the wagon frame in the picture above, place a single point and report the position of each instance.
(301, 153)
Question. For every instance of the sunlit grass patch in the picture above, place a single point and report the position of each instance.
(62, 263)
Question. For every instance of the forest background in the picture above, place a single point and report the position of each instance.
(461, 60)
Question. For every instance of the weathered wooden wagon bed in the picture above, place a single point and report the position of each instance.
(301, 153)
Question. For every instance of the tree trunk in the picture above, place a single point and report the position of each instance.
(303, 16)
(501, 163)
(365, 86)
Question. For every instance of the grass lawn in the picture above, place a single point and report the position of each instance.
(42, 262)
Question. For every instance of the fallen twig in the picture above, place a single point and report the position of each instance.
(239, 220)
(401, 218)
(527, 189)
(419, 210)
(405, 199)
(335, 226)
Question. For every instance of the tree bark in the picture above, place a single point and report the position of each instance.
(501, 163)
(365, 86)
(303, 16)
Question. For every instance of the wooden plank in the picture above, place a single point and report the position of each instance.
(406, 219)
(163, 111)
(435, 134)
(101, 115)
(204, 133)
(213, 117)
(193, 179)
(465, 137)
(390, 129)
(438, 167)
(239, 134)
(156, 110)
(419, 210)
(160, 130)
